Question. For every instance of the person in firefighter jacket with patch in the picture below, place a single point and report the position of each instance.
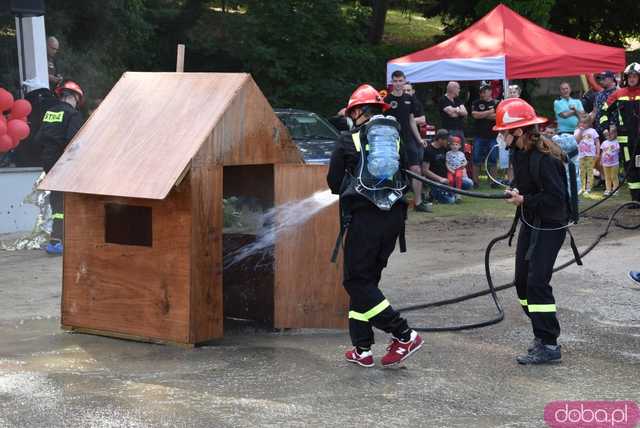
(366, 171)
(60, 123)
(624, 105)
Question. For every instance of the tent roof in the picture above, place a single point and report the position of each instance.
(502, 45)
(144, 134)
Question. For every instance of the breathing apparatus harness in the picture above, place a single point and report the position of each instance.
(378, 177)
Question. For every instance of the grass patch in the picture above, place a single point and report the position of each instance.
(411, 30)
(471, 207)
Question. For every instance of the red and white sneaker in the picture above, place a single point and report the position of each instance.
(365, 359)
(399, 351)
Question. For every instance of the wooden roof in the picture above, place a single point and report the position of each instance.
(144, 134)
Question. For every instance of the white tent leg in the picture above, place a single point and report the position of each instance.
(32, 46)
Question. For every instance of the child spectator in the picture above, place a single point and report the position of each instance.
(456, 163)
(588, 149)
(610, 159)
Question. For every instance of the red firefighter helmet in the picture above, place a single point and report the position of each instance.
(72, 86)
(515, 113)
(366, 94)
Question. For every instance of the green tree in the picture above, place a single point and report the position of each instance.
(604, 21)
(457, 15)
(304, 54)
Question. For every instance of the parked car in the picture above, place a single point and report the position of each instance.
(314, 136)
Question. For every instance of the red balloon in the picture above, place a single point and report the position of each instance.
(17, 129)
(14, 143)
(3, 127)
(6, 143)
(6, 100)
(20, 108)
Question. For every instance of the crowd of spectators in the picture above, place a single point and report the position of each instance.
(456, 161)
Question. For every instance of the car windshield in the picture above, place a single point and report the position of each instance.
(308, 126)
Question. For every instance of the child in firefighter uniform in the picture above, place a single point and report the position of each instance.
(539, 190)
(366, 171)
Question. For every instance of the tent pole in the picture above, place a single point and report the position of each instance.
(505, 88)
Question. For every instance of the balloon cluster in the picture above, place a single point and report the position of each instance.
(13, 127)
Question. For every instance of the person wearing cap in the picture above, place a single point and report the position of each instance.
(60, 123)
(609, 85)
(483, 110)
(371, 234)
(541, 205)
(620, 111)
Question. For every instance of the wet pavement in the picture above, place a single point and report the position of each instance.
(51, 378)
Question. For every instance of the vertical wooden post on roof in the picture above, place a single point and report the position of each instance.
(180, 59)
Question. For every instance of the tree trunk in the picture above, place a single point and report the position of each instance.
(378, 17)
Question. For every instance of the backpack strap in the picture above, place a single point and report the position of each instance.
(574, 248)
(574, 212)
(402, 238)
(514, 225)
(345, 221)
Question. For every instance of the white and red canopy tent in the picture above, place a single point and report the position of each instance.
(504, 45)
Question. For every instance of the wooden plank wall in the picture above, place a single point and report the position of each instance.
(206, 304)
(251, 132)
(308, 289)
(133, 290)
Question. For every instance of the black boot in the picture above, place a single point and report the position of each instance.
(535, 344)
(543, 354)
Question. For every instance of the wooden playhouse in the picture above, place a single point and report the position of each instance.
(144, 181)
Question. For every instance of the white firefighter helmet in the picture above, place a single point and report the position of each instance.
(634, 67)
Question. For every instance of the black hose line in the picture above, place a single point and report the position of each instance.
(612, 220)
(481, 195)
(487, 254)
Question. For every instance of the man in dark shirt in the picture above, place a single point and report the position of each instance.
(52, 50)
(452, 111)
(483, 111)
(404, 109)
(419, 115)
(434, 167)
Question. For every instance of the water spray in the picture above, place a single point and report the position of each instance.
(280, 220)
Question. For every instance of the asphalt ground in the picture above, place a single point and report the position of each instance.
(256, 377)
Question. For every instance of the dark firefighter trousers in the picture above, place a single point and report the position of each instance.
(628, 152)
(56, 201)
(371, 238)
(532, 279)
